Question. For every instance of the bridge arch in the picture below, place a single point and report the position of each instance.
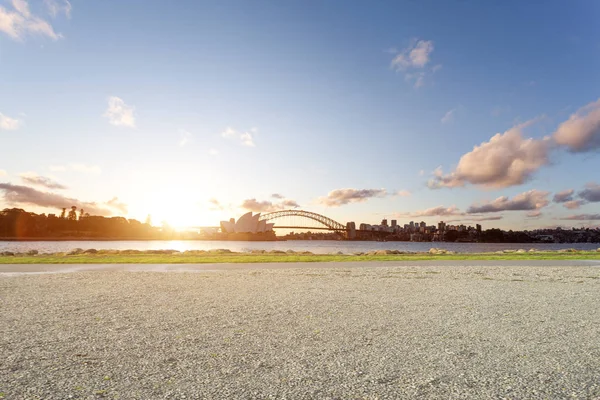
(328, 222)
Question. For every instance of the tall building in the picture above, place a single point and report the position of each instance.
(394, 223)
(351, 230)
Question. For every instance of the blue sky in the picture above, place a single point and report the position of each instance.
(189, 111)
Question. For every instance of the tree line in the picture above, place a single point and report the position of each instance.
(73, 223)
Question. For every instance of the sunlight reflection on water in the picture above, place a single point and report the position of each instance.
(315, 246)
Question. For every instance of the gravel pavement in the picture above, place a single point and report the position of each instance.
(365, 332)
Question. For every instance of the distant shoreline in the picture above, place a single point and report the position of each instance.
(80, 239)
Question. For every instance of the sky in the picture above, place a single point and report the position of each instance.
(197, 111)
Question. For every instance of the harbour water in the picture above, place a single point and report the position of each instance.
(315, 246)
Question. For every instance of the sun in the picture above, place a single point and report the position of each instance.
(179, 213)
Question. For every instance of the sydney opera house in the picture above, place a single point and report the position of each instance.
(248, 227)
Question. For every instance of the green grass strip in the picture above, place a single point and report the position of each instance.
(209, 258)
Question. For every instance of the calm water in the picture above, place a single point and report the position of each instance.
(315, 246)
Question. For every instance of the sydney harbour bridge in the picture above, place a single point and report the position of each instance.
(300, 219)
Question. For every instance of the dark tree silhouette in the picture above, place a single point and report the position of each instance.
(72, 214)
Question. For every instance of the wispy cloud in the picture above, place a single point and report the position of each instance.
(19, 22)
(243, 138)
(403, 193)
(480, 219)
(215, 205)
(439, 211)
(57, 7)
(416, 55)
(448, 117)
(7, 123)
(3, 172)
(413, 60)
(339, 197)
(582, 217)
(184, 137)
(268, 206)
(34, 179)
(25, 195)
(119, 114)
(527, 201)
(277, 196)
(77, 167)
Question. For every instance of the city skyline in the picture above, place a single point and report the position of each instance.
(356, 112)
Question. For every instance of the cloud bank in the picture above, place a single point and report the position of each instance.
(582, 217)
(509, 159)
(24, 195)
(527, 201)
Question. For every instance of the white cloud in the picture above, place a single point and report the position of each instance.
(9, 124)
(507, 159)
(414, 56)
(448, 117)
(57, 7)
(185, 137)
(3, 172)
(581, 132)
(213, 152)
(119, 113)
(244, 138)
(20, 22)
(412, 61)
(403, 193)
(77, 167)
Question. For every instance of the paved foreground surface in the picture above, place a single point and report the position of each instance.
(360, 332)
(64, 268)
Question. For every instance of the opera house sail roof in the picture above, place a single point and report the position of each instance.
(247, 223)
